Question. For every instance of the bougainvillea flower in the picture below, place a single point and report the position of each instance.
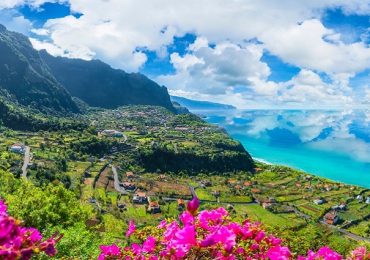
(131, 228)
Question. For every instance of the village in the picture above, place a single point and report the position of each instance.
(104, 171)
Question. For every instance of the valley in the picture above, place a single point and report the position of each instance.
(145, 163)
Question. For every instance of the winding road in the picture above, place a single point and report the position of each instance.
(347, 233)
(26, 161)
(117, 187)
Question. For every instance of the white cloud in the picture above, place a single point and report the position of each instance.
(225, 61)
(117, 28)
(240, 78)
(308, 89)
(310, 45)
(33, 3)
(14, 21)
(219, 70)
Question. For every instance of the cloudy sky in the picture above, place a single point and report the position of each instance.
(248, 53)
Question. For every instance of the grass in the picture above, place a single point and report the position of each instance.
(361, 229)
(257, 213)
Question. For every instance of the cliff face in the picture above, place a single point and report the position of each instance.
(47, 83)
(26, 79)
(100, 85)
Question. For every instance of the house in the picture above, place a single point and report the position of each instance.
(328, 187)
(162, 177)
(238, 187)
(216, 193)
(247, 183)
(121, 206)
(367, 200)
(87, 174)
(255, 190)
(17, 148)
(154, 207)
(331, 218)
(140, 198)
(130, 175)
(232, 182)
(267, 205)
(128, 186)
(360, 198)
(319, 201)
(112, 133)
(205, 183)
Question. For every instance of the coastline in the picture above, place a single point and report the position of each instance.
(262, 161)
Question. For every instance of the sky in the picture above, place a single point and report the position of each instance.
(247, 53)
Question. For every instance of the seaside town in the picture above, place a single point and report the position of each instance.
(116, 169)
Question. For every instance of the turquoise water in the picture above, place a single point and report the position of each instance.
(330, 144)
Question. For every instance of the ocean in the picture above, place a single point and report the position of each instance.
(332, 144)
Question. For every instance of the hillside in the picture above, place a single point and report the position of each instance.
(99, 85)
(186, 144)
(199, 105)
(26, 79)
(46, 83)
(17, 117)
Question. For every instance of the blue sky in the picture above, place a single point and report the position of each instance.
(245, 53)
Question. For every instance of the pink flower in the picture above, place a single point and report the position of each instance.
(34, 235)
(261, 235)
(3, 209)
(193, 205)
(211, 234)
(131, 228)
(186, 218)
(223, 236)
(109, 251)
(359, 253)
(278, 253)
(209, 219)
(323, 253)
(149, 244)
(185, 236)
(171, 230)
(162, 224)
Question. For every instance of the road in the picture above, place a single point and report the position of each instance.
(345, 232)
(192, 191)
(26, 161)
(117, 187)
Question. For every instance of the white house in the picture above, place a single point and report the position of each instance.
(17, 148)
(319, 201)
(113, 133)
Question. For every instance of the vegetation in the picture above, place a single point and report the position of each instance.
(99, 85)
(70, 182)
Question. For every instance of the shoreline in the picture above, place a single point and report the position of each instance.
(204, 117)
(262, 161)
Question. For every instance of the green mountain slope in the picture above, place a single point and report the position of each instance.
(99, 85)
(26, 77)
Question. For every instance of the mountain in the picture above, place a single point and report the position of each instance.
(99, 85)
(199, 105)
(26, 79)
